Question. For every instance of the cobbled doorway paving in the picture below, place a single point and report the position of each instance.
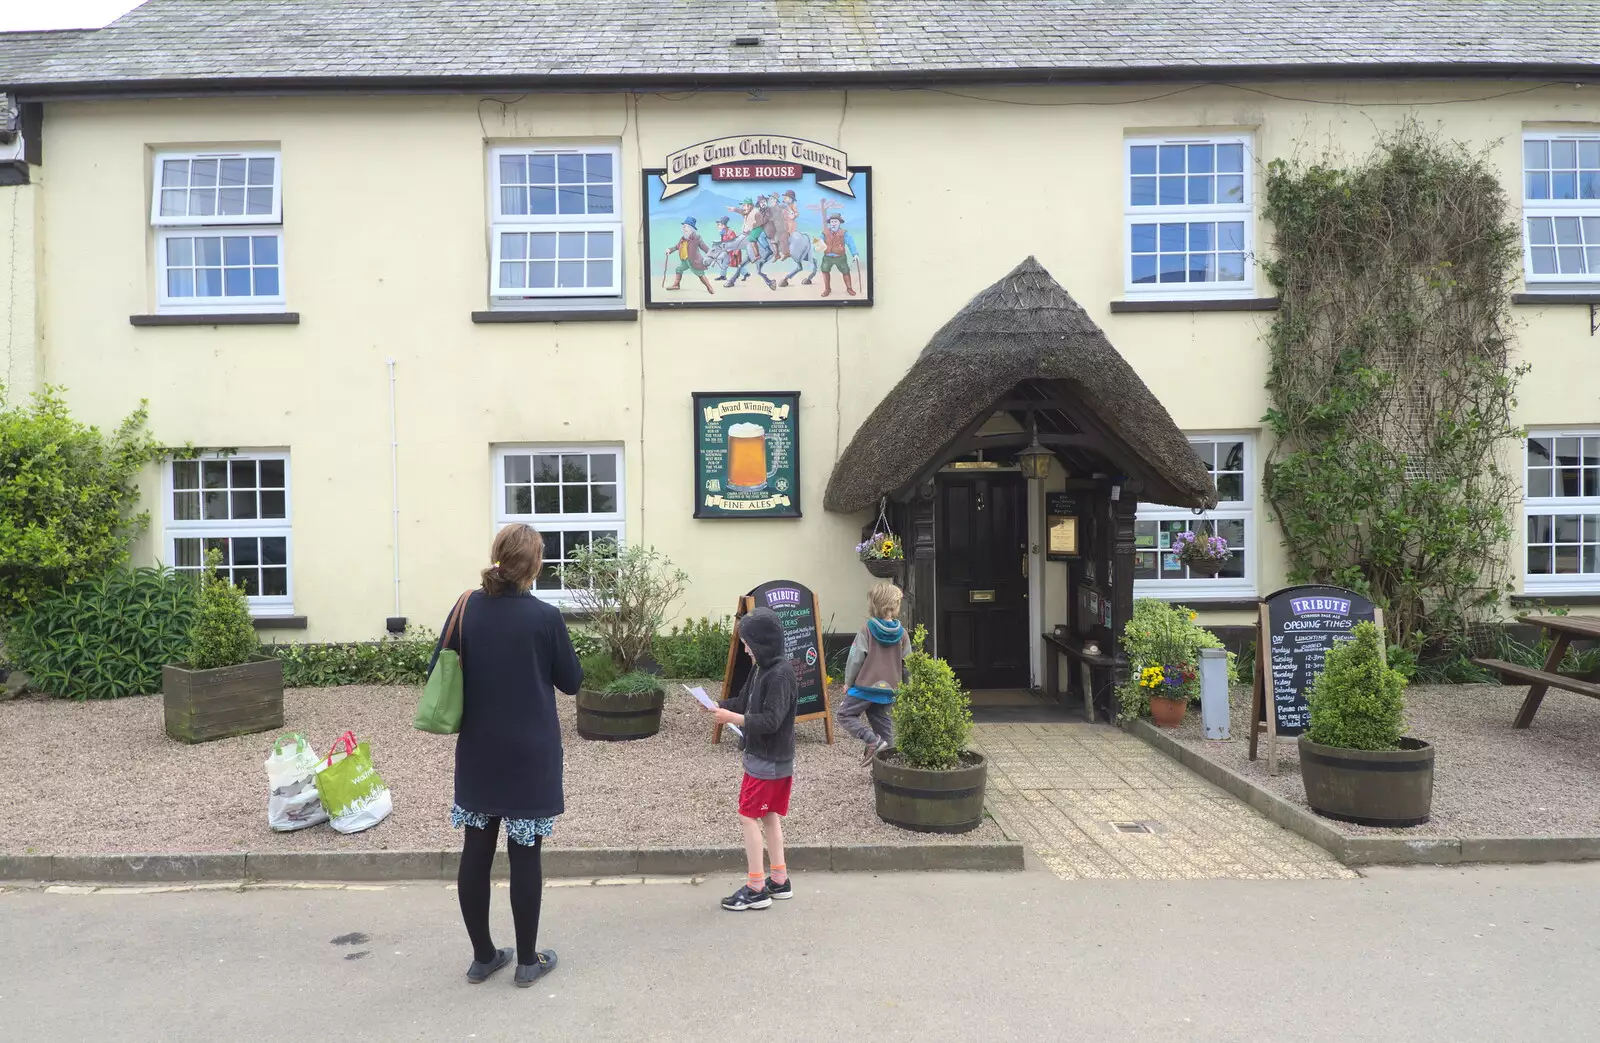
(1095, 803)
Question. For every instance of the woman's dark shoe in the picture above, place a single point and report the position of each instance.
(479, 973)
(528, 973)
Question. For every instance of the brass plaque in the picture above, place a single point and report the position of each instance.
(980, 595)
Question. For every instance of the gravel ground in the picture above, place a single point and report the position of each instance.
(103, 777)
(1489, 780)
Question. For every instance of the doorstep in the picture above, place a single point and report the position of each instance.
(1005, 856)
(1367, 850)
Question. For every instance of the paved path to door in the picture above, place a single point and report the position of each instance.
(1082, 796)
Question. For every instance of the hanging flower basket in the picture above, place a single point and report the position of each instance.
(1203, 553)
(883, 568)
(882, 552)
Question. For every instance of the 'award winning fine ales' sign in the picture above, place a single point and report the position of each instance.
(747, 454)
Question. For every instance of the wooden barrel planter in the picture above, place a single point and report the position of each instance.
(201, 705)
(1369, 788)
(619, 716)
(930, 801)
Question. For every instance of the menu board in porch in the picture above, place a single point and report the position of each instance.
(1297, 628)
(747, 454)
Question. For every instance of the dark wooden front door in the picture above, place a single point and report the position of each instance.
(982, 543)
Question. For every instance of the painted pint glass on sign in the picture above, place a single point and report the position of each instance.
(747, 457)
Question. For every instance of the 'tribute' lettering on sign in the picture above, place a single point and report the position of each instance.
(1321, 606)
(783, 596)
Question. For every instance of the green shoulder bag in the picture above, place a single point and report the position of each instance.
(439, 711)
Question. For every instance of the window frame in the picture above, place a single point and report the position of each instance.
(1190, 214)
(167, 227)
(1555, 583)
(159, 220)
(525, 298)
(547, 523)
(261, 605)
(1214, 587)
(1553, 208)
(166, 303)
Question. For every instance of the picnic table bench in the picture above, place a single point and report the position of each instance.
(1563, 629)
(1087, 663)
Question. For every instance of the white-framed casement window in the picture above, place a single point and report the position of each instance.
(556, 224)
(1561, 498)
(573, 495)
(237, 506)
(1561, 208)
(1188, 221)
(1156, 573)
(218, 220)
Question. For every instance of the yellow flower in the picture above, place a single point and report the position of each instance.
(888, 546)
(1193, 616)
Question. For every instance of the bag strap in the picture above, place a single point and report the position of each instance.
(349, 740)
(299, 742)
(452, 626)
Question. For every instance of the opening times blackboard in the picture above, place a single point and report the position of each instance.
(1298, 626)
(799, 615)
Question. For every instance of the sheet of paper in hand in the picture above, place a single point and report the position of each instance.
(709, 703)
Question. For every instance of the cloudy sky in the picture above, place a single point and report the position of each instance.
(61, 14)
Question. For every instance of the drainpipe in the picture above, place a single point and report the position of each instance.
(396, 624)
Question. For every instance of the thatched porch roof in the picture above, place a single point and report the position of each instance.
(1024, 337)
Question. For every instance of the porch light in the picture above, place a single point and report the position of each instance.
(1035, 461)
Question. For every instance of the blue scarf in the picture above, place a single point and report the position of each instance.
(886, 631)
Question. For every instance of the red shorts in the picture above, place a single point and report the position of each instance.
(758, 797)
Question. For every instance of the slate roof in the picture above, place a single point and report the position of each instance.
(217, 44)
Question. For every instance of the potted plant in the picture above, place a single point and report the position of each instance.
(1168, 687)
(929, 781)
(882, 554)
(1203, 553)
(226, 686)
(626, 593)
(1163, 643)
(1354, 762)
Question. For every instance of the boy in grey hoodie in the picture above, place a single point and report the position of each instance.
(764, 711)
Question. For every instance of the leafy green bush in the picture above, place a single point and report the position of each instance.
(697, 648)
(106, 638)
(636, 683)
(393, 660)
(67, 495)
(222, 633)
(1356, 701)
(932, 715)
(626, 593)
(586, 643)
(1577, 662)
(1163, 635)
(599, 670)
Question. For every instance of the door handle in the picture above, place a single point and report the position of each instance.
(1024, 564)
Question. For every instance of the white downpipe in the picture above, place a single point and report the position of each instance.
(394, 482)
(1036, 587)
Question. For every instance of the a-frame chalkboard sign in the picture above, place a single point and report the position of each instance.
(801, 617)
(1297, 626)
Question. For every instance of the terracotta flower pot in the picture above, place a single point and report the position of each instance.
(1167, 713)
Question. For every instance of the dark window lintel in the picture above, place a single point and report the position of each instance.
(242, 318)
(551, 315)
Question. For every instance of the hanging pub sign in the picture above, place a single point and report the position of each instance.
(747, 454)
(758, 220)
(1298, 626)
(1061, 526)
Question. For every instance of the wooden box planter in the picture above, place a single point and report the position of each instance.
(202, 705)
(929, 800)
(1369, 788)
(619, 716)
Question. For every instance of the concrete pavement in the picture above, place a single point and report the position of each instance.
(1415, 955)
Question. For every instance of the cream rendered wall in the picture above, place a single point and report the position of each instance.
(20, 245)
(386, 254)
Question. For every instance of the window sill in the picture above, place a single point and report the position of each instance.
(280, 622)
(235, 318)
(552, 315)
(1553, 297)
(1124, 307)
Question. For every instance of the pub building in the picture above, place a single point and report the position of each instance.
(747, 283)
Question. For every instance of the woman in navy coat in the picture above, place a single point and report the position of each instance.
(515, 652)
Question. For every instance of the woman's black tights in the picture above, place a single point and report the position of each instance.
(472, 888)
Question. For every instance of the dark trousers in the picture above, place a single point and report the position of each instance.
(472, 889)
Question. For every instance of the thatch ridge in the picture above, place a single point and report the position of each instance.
(1024, 327)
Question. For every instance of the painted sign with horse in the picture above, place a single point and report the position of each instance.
(758, 220)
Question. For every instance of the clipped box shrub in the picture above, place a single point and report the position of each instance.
(105, 638)
(393, 660)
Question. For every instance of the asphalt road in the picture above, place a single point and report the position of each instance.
(1402, 956)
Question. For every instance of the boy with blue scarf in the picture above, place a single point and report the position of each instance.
(874, 672)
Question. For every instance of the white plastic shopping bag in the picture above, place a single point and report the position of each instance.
(292, 798)
(353, 793)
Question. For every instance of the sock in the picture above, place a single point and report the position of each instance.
(756, 881)
(780, 873)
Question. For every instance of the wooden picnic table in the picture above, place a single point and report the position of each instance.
(1563, 629)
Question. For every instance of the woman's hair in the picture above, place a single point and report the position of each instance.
(883, 601)
(517, 556)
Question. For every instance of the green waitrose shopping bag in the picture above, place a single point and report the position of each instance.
(353, 793)
(439, 710)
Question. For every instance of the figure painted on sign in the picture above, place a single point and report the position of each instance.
(691, 251)
(838, 250)
(803, 251)
(729, 253)
(759, 243)
(787, 213)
